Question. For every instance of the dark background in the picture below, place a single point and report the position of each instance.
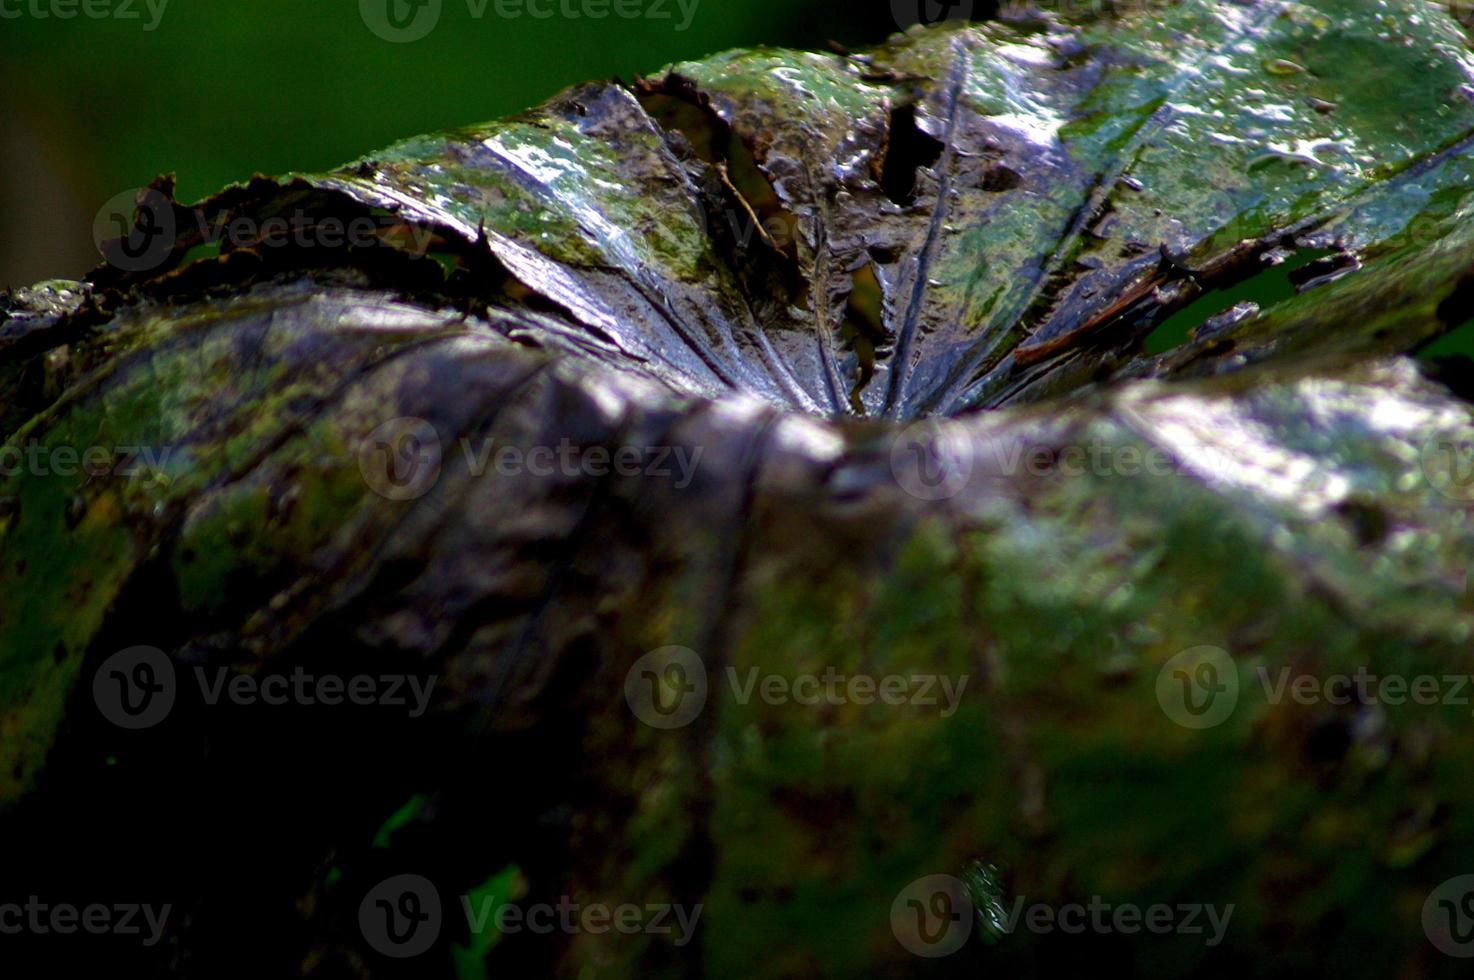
(92, 107)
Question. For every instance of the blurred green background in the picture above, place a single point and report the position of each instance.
(218, 89)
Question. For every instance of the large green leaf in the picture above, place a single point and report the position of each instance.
(943, 352)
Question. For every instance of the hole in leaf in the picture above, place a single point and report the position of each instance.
(205, 250)
(704, 132)
(1328, 742)
(1324, 270)
(1367, 520)
(906, 149)
(1458, 342)
(862, 330)
(1000, 178)
(1265, 289)
(778, 226)
(1457, 309)
(678, 107)
(883, 254)
(1449, 357)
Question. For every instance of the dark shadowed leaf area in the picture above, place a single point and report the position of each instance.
(1092, 372)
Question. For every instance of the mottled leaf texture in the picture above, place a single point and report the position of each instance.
(1017, 361)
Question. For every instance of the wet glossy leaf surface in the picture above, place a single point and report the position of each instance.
(889, 317)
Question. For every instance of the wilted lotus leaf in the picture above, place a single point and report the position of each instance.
(774, 483)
